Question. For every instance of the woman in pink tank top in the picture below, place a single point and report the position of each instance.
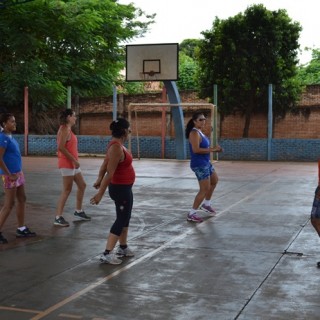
(69, 166)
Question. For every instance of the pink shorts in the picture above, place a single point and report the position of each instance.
(9, 184)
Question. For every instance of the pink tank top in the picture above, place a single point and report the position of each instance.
(72, 146)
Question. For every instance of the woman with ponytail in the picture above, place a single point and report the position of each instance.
(69, 166)
(200, 164)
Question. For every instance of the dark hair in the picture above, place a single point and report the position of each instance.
(118, 127)
(64, 115)
(4, 117)
(190, 124)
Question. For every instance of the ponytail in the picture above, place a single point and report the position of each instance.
(190, 124)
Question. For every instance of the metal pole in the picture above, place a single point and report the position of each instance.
(177, 115)
(26, 119)
(69, 97)
(269, 120)
(215, 115)
(163, 123)
(114, 104)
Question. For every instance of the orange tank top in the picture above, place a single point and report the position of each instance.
(72, 146)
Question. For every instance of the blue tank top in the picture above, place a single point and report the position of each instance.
(197, 159)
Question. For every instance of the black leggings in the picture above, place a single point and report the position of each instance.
(123, 198)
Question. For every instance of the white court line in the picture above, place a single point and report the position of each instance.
(141, 259)
(19, 309)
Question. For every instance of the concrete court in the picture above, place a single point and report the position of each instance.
(255, 260)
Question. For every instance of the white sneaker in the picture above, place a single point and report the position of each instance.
(124, 252)
(110, 259)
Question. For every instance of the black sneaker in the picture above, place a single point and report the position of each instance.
(26, 233)
(82, 216)
(61, 222)
(3, 240)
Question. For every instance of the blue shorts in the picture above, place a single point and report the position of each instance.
(315, 211)
(203, 172)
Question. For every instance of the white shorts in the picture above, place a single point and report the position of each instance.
(65, 172)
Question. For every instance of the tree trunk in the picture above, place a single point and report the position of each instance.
(248, 111)
(245, 133)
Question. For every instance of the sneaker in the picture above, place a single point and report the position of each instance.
(124, 252)
(3, 240)
(82, 216)
(26, 233)
(109, 258)
(208, 209)
(194, 218)
(61, 222)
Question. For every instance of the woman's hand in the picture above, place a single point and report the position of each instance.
(217, 148)
(76, 164)
(13, 177)
(96, 199)
(97, 184)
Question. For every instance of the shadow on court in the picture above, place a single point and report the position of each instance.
(255, 260)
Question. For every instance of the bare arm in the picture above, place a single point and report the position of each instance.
(115, 155)
(4, 167)
(195, 140)
(102, 172)
(64, 133)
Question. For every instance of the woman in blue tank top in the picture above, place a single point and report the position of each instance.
(12, 178)
(200, 164)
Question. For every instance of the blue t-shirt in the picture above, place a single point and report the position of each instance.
(197, 159)
(12, 155)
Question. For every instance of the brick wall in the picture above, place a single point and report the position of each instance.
(96, 115)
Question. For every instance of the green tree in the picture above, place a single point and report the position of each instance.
(188, 65)
(245, 53)
(188, 69)
(49, 45)
(132, 87)
(190, 47)
(310, 73)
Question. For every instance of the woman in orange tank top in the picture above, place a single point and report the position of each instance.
(69, 166)
(117, 174)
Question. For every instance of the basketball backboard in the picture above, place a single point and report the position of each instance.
(152, 62)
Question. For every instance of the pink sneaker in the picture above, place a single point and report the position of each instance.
(194, 218)
(208, 209)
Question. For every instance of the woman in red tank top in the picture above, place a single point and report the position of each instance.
(69, 166)
(315, 210)
(117, 174)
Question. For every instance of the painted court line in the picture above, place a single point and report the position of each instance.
(137, 261)
(19, 309)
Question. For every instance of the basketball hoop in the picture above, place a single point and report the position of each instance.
(153, 62)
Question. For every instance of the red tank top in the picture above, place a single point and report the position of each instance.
(72, 146)
(124, 173)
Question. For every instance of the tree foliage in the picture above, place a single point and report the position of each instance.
(310, 73)
(188, 65)
(190, 47)
(245, 53)
(49, 45)
(188, 68)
